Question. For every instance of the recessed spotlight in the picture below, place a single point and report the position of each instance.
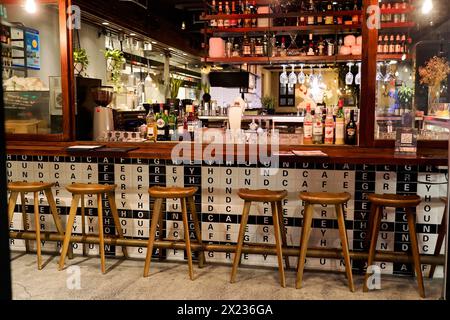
(105, 23)
(154, 42)
(184, 54)
(132, 34)
(171, 48)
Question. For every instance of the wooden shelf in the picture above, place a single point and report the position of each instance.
(393, 25)
(298, 59)
(321, 29)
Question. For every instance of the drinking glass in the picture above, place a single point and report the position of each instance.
(311, 75)
(358, 76)
(319, 76)
(380, 75)
(284, 80)
(292, 80)
(301, 75)
(349, 75)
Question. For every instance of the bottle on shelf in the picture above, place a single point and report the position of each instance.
(380, 44)
(391, 44)
(340, 124)
(150, 121)
(329, 127)
(388, 15)
(259, 48)
(339, 19)
(404, 6)
(247, 10)
(226, 22)
(166, 117)
(396, 16)
(239, 10)
(329, 17)
(321, 47)
(308, 126)
(282, 48)
(386, 44)
(219, 11)
(191, 121)
(398, 44)
(317, 126)
(254, 10)
(160, 124)
(320, 8)
(213, 10)
(355, 16)
(303, 8)
(312, 9)
(246, 47)
(311, 48)
(348, 17)
(351, 130)
(172, 124)
(233, 22)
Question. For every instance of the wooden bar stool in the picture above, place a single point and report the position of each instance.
(441, 235)
(274, 198)
(79, 190)
(21, 188)
(324, 198)
(161, 193)
(378, 202)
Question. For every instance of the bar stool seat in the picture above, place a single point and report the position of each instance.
(79, 190)
(184, 194)
(175, 192)
(442, 230)
(324, 198)
(378, 202)
(262, 195)
(19, 187)
(394, 200)
(275, 198)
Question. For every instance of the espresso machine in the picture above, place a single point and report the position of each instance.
(103, 115)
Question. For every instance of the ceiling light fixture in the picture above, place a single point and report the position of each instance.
(105, 23)
(132, 34)
(427, 6)
(30, 6)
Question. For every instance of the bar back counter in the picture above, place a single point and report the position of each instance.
(359, 171)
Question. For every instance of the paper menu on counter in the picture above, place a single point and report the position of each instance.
(309, 153)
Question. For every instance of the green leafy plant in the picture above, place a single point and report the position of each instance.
(175, 84)
(80, 56)
(115, 60)
(405, 95)
(268, 102)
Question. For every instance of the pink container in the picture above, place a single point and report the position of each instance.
(216, 48)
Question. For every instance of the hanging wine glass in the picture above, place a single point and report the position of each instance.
(349, 75)
(284, 80)
(320, 76)
(292, 80)
(311, 74)
(301, 75)
(380, 76)
(358, 76)
(390, 76)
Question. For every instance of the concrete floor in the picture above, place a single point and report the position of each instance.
(170, 281)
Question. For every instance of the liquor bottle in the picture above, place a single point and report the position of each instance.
(191, 121)
(172, 123)
(383, 15)
(319, 8)
(252, 47)
(348, 18)
(150, 120)
(388, 15)
(259, 48)
(226, 22)
(320, 47)
(355, 16)
(308, 126)
(247, 21)
(283, 51)
(391, 44)
(213, 22)
(302, 18)
(329, 16)
(351, 130)
(253, 10)
(240, 10)
(386, 44)
(165, 117)
(246, 47)
(403, 43)
(339, 18)
(317, 126)
(311, 49)
(329, 127)
(398, 44)
(380, 45)
(265, 46)
(396, 16)
(233, 22)
(220, 21)
(404, 6)
(160, 125)
(340, 123)
(312, 9)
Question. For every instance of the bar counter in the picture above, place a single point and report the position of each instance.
(359, 171)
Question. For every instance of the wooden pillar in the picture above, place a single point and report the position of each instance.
(368, 75)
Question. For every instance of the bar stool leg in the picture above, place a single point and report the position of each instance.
(160, 236)
(83, 225)
(373, 243)
(186, 237)
(306, 231)
(115, 214)
(344, 240)
(151, 237)
(415, 249)
(54, 211)
(278, 242)
(11, 205)
(237, 255)
(198, 232)
(70, 220)
(24, 219)
(440, 240)
(283, 231)
(38, 230)
(100, 231)
(370, 225)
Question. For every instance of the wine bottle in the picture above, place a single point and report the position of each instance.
(213, 22)
(351, 130)
(340, 124)
(329, 127)
(308, 126)
(317, 127)
(311, 9)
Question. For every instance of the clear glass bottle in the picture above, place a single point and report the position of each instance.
(340, 124)
(317, 126)
(150, 120)
(308, 126)
(329, 127)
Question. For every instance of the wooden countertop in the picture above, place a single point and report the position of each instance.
(336, 154)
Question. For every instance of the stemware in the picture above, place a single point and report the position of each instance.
(292, 80)
(390, 76)
(284, 80)
(301, 75)
(311, 74)
(349, 75)
(358, 76)
(320, 76)
(380, 75)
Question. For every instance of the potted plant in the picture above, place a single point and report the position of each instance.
(268, 104)
(174, 88)
(80, 61)
(115, 61)
(405, 95)
(433, 74)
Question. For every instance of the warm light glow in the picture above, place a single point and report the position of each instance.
(427, 6)
(105, 23)
(30, 6)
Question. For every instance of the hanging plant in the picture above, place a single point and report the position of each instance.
(80, 60)
(115, 61)
(175, 85)
(405, 95)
